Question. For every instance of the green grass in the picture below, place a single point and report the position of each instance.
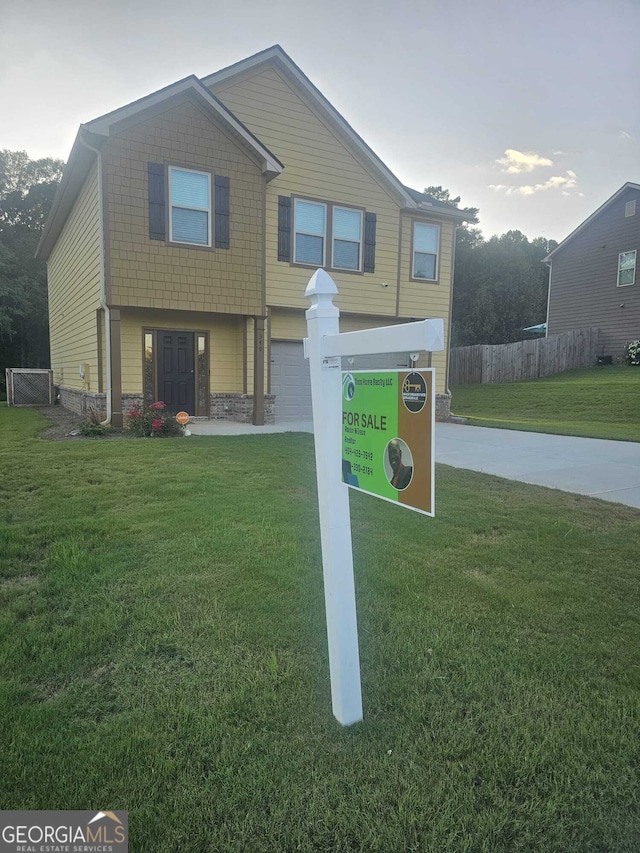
(163, 650)
(599, 402)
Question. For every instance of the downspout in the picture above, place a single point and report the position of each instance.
(103, 289)
(549, 264)
(450, 323)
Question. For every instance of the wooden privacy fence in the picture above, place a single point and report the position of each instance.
(485, 364)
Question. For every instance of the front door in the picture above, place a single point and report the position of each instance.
(176, 371)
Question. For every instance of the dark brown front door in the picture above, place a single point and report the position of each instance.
(176, 371)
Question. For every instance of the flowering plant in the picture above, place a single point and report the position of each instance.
(632, 353)
(153, 420)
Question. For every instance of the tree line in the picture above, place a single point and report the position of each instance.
(500, 284)
(27, 188)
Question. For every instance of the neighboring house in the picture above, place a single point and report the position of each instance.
(185, 230)
(592, 274)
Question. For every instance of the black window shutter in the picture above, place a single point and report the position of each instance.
(156, 201)
(223, 238)
(370, 242)
(284, 228)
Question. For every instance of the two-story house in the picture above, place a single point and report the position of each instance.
(592, 274)
(187, 225)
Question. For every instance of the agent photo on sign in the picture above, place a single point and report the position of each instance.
(398, 463)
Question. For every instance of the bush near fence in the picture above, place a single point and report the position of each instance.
(486, 364)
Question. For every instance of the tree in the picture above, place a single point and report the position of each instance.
(443, 195)
(500, 284)
(500, 288)
(27, 188)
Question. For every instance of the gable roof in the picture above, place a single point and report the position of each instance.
(603, 207)
(91, 136)
(277, 56)
(425, 201)
(191, 85)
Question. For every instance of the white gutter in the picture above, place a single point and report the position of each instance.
(103, 289)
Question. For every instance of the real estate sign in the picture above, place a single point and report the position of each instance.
(388, 435)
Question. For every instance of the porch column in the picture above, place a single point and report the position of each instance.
(258, 371)
(116, 368)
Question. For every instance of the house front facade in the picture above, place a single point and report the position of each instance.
(185, 230)
(592, 274)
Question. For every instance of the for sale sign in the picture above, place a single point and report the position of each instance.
(388, 435)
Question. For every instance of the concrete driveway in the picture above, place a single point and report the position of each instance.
(609, 470)
(589, 466)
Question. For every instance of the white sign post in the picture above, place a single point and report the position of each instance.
(323, 347)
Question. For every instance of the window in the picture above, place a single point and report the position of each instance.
(630, 208)
(148, 372)
(425, 251)
(310, 226)
(347, 238)
(316, 224)
(190, 205)
(626, 268)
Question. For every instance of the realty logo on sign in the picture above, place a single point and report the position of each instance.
(63, 831)
(387, 436)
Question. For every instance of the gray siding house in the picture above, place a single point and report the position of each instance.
(593, 279)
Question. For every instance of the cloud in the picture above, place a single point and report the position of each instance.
(564, 183)
(515, 162)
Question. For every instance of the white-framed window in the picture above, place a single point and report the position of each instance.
(626, 268)
(347, 223)
(310, 232)
(189, 206)
(426, 242)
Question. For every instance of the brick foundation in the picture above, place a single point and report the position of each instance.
(443, 407)
(82, 402)
(128, 401)
(239, 408)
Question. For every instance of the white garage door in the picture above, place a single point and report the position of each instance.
(290, 382)
(290, 377)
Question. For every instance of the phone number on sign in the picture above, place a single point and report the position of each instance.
(362, 469)
(359, 454)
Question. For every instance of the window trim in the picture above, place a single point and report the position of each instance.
(413, 276)
(171, 205)
(360, 242)
(329, 205)
(635, 264)
(325, 235)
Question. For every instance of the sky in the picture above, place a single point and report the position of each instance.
(529, 111)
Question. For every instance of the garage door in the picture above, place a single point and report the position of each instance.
(290, 382)
(290, 377)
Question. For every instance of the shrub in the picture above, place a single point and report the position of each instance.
(91, 428)
(632, 353)
(154, 420)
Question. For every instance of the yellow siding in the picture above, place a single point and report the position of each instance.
(225, 345)
(292, 326)
(415, 295)
(73, 274)
(317, 164)
(153, 274)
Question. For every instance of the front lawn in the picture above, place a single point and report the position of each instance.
(163, 651)
(599, 402)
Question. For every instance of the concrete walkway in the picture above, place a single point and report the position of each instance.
(609, 470)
